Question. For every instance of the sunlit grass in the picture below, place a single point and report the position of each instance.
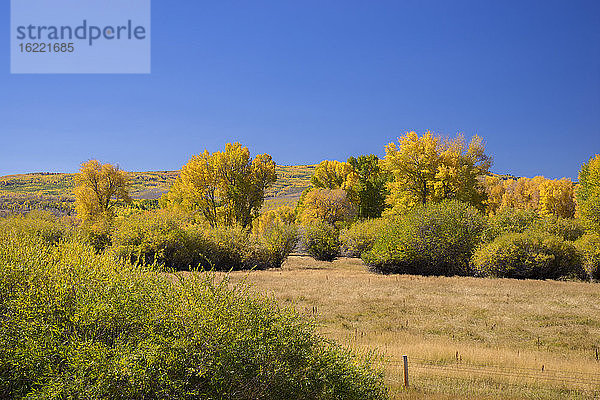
(465, 337)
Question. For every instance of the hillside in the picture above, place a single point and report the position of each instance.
(55, 190)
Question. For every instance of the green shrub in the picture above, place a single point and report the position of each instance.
(171, 240)
(75, 325)
(589, 247)
(274, 244)
(226, 248)
(360, 237)
(321, 241)
(519, 220)
(158, 237)
(531, 254)
(436, 239)
(509, 220)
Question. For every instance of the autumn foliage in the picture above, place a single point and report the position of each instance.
(226, 187)
(428, 168)
(98, 189)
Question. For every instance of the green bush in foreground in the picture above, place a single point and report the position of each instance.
(73, 324)
(436, 239)
(531, 254)
(322, 241)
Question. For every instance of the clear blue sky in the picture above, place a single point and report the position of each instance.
(313, 80)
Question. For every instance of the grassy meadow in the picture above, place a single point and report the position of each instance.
(465, 337)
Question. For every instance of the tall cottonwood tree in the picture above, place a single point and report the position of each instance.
(428, 168)
(332, 174)
(227, 187)
(98, 188)
(326, 205)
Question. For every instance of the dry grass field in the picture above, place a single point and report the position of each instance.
(465, 337)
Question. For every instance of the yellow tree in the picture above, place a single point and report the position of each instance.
(494, 189)
(414, 165)
(334, 175)
(327, 205)
(429, 169)
(557, 198)
(283, 215)
(196, 188)
(98, 187)
(588, 193)
(523, 193)
(461, 169)
(227, 187)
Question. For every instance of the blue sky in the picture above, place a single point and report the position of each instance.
(313, 80)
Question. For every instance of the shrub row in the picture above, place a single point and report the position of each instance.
(452, 238)
(162, 238)
(167, 239)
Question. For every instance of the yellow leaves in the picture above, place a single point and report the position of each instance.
(283, 215)
(588, 193)
(430, 169)
(557, 197)
(98, 188)
(546, 196)
(333, 175)
(523, 193)
(327, 205)
(227, 187)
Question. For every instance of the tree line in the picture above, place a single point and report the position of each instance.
(227, 189)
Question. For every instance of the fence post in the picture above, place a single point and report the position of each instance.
(405, 360)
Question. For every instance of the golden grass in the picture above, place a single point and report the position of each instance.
(465, 337)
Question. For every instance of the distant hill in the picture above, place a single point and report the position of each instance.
(54, 191)
(24, 191)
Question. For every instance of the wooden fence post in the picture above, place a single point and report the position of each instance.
(405, 359)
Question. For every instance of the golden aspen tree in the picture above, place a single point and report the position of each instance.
(196, 188)
(557, 198)
(332, 174)
(98, 188)
(227, 187)
(283, 215)
(327, 205)
(494, 188)
(523, 193)
(413, 164)
(430, 169)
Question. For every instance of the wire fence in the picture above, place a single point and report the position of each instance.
(591, 379)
